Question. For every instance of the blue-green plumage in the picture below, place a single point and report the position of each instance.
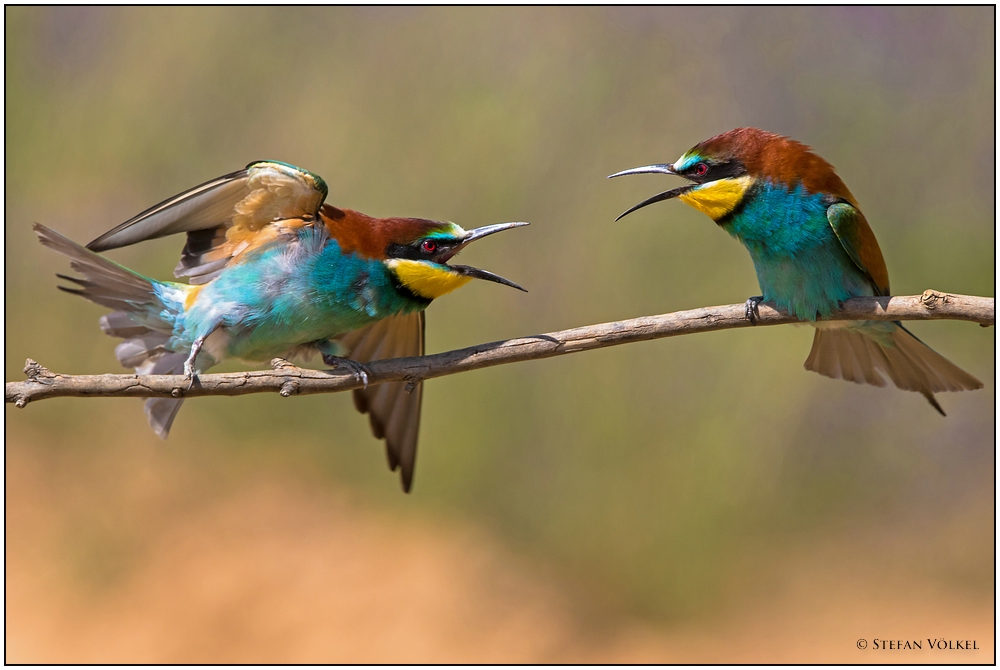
(276, 273)
(287, 294)
(801, 265)
(812, 249)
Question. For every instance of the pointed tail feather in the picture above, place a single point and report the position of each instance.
(120, 324)
(161, 412)
(109, 284)
(910, 364)
(139, 321)
(145, 350)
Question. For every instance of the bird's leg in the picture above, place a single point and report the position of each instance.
(189, 363)
(196, 346)
(752, 314)
(359, 371)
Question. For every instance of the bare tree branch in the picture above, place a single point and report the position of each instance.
(288, 379)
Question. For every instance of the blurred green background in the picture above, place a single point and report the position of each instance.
(659, 482)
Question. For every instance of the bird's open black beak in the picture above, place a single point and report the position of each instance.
(661, 168)
(475, 234)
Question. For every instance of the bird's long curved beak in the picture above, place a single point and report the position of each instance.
(483, 231)
(660, 168)
(475, 234)
(470, 271)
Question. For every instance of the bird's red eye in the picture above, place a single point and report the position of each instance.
(429, 246)
(701, 170)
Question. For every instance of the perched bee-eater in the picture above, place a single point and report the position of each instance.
(812, 249)
(275, 272)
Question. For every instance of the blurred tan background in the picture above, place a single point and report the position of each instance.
(694, 499)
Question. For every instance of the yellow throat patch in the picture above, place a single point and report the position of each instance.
(425, 279)
(717, 198)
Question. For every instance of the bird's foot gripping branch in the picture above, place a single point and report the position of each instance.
(287, 379)
(274, 270)
(812, 249)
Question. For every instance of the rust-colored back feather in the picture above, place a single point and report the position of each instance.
(368, 236)
(779, 158)
(858, 240)
(783, 160)
(871, 255)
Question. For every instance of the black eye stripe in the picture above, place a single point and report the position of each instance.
(409, 251)
(415, 251)
(730, 168)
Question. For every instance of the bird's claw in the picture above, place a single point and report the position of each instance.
(190, 375)
(359, 371)
(752, 313)
(189, 371)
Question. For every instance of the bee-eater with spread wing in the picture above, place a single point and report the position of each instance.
(812, 249)
(275, 272)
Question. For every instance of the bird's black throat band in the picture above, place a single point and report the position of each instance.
(748, 195)
(406, 293)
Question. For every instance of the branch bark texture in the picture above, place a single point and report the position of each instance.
(287, 379)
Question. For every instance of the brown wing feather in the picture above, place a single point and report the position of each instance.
(858, 240)
(394, 413)
(204, 206)
(226, 216)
